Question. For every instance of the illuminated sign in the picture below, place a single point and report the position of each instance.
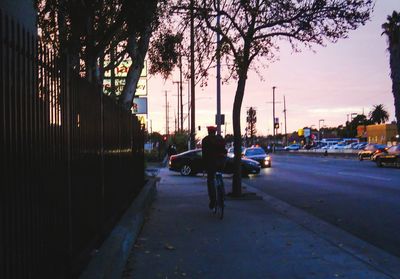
(122, 69)
(139, 105)
(120, 74)
(142, 119)
(141, 88)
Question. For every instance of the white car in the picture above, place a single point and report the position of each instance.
(293, 147)
(361, 145)
(340, 145)
(351, 145)
(231, 152)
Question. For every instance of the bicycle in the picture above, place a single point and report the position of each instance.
(220, 195)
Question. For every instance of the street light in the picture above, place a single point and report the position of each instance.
(319, 127)
(273, 118)
(351, 116)
(218, 73)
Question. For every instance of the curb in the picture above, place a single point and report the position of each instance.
(111, 258)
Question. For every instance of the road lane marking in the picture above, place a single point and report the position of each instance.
(365, 176)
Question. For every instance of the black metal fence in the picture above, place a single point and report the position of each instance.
(71, 161)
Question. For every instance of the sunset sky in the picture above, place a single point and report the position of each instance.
(347, 77)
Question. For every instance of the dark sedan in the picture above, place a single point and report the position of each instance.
(389, 157)
(258, 154)
(191, 163)
(369, 150)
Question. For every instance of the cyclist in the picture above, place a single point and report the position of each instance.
(214, 156)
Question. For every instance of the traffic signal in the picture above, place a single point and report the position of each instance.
(276, 125)
(164, 138)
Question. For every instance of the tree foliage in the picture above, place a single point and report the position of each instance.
(391, 29)
(172, 44)
(350, 129)
(251, 29)
(89, 31)
(82, 29)
(164, 54)
(378, 114)
(251, 120)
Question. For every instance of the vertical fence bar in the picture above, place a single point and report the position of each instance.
(3, 160)
(58, 132)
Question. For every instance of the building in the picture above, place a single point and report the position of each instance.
(378, 133)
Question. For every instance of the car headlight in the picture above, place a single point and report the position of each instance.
(268, 158)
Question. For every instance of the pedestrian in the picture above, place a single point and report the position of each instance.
(171, 150)
(214, 157)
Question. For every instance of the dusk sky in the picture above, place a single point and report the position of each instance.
(347, 77)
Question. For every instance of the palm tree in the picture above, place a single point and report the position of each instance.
(391, 29)
(379, 114)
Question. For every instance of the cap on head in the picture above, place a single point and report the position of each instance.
(211, 129)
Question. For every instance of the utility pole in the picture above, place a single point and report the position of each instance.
(188, 105)
(166, 114)
(192, 81)
(273, 118)
(178, 105)
(180, 82)
(151, 126)
(284, 113)
(176, 124)
(319, 128)
(218, 74)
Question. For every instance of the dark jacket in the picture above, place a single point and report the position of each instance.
(214, 152)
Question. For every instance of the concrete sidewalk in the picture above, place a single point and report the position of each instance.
(183, 239)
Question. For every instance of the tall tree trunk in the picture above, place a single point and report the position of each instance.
(137, 51)
(91, 66)
(237, 135)
(395, 76)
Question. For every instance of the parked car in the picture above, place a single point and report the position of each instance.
(390, 156)
(279, 147)
(340, 145)
(258, 154)
(369, 151)
(191, 163)
(308, 146)
(294, 146)
(231, 152)
(351, 145)
(361, 145)
(378, 152)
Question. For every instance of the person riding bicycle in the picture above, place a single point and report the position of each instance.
(214, 157)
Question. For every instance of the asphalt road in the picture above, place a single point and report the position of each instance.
(356, 196)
